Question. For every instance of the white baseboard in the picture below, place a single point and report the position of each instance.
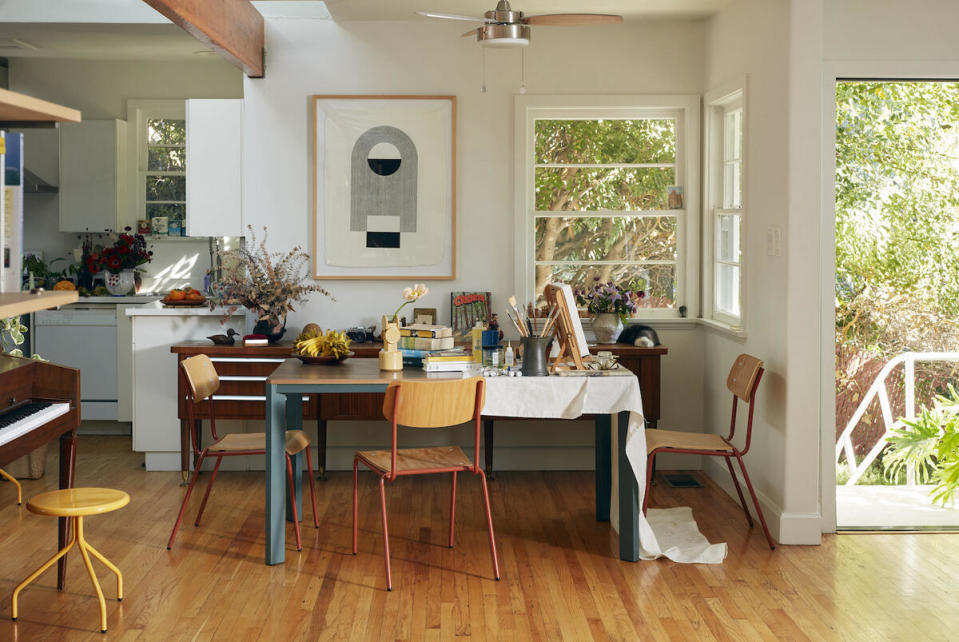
(786, 528)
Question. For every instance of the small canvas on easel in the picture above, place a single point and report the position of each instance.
(569, 329)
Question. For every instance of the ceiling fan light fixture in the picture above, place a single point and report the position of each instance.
(503, 36)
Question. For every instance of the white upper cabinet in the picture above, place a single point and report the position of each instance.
(92, 175)
(214, 154)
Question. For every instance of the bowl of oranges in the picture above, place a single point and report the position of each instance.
(185, 298)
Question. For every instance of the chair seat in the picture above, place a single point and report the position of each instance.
(77, 502)
(296, 441)
(685, 440)
(408, 459)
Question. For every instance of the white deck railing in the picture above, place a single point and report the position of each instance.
(878, 389)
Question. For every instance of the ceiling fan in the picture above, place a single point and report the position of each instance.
(504, 27)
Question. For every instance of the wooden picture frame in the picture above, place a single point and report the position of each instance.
(430, 312)
(384, 187)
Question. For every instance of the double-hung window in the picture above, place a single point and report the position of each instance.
(601, 193)
(160, 177)
(724, 208)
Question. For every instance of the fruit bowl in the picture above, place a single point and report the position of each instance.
(328, 360)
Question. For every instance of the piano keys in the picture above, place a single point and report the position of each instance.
(40, 402)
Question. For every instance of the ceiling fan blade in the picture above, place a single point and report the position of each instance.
(573, 19)
(471, 32)
(451, 16)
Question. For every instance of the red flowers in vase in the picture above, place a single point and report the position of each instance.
(129, 251)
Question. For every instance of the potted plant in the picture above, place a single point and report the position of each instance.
(266, 283)
(610, 305)
(120, 261)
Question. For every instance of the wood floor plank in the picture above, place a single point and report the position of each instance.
(561, 578)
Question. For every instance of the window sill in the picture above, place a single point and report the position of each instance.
(673, 323)
(736, 333)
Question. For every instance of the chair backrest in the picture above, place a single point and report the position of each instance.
(433, 404)
(744, 376)
(743, 380)
(200, 376)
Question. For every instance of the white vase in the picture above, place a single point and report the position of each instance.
(121, 283)
(606, 327)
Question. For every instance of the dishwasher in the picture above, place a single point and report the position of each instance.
(85, 339)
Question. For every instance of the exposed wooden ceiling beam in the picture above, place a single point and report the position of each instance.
(20, 108)
(233, 28)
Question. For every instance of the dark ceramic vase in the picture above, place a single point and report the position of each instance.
(272, 333)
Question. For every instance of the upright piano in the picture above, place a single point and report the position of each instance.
(40, 402)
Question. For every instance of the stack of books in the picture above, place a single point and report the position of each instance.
(448, 362)
(426, 337)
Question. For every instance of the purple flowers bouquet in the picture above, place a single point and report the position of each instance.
(610, 298)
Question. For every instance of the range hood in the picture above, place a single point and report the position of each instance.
(33, 184)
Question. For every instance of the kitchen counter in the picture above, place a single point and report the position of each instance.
(120, 300)
(157, 309)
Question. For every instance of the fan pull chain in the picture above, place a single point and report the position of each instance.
(522, 86)
(484, 70)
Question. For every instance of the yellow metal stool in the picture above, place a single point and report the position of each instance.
(13, 480)
(77, 503)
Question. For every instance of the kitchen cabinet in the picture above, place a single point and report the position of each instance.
(214, 156)
(92, 175)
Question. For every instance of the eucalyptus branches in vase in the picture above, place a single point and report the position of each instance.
(264, 282)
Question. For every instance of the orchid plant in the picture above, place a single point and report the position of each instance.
(610, 298)
(411, 294)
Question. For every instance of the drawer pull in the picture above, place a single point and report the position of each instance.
(246, 360)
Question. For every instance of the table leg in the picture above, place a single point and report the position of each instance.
(294, 421)
(628, 497)
(321, 449)
(68, 460)
(488, 447)
(275, 475)
(604, 472)
(198, 428)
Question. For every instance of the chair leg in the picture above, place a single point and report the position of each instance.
(97, 554)
(489, 525)
(386, 535)
(93, 575)
(759, 511)
(650, 462)
(452, 506)
(186, 498)
(37, 573)
(13, 480)
(739, 490)
(292, 491)
(355, 502)
(209, 487)
(309, 470)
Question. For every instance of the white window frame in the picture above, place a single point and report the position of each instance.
(139, 113)
(719, 102)
(686, 110)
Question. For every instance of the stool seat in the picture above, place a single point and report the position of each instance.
(77, 502)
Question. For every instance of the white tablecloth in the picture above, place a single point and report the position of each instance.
(668, 533)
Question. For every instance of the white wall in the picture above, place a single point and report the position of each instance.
(307, 57)
(100, 90)
(752, 38)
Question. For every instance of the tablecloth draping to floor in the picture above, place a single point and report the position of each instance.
(670, 533)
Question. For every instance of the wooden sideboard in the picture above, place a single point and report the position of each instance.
(243, 373)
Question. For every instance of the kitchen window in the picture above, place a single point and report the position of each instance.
(160, 177)
(601, 196)
(725, 209)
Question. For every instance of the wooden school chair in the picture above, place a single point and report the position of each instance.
(201, 384)
(427, 404)
(743, 381)
(77, 503)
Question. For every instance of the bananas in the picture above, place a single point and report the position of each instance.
(332, 344)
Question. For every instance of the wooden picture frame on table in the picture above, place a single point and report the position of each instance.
(384, 187)
(424, 313)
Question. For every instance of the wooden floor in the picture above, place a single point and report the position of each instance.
(561, 577)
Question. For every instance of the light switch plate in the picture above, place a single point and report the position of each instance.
(774, 241)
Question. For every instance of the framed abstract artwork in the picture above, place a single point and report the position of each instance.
(384, 187)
